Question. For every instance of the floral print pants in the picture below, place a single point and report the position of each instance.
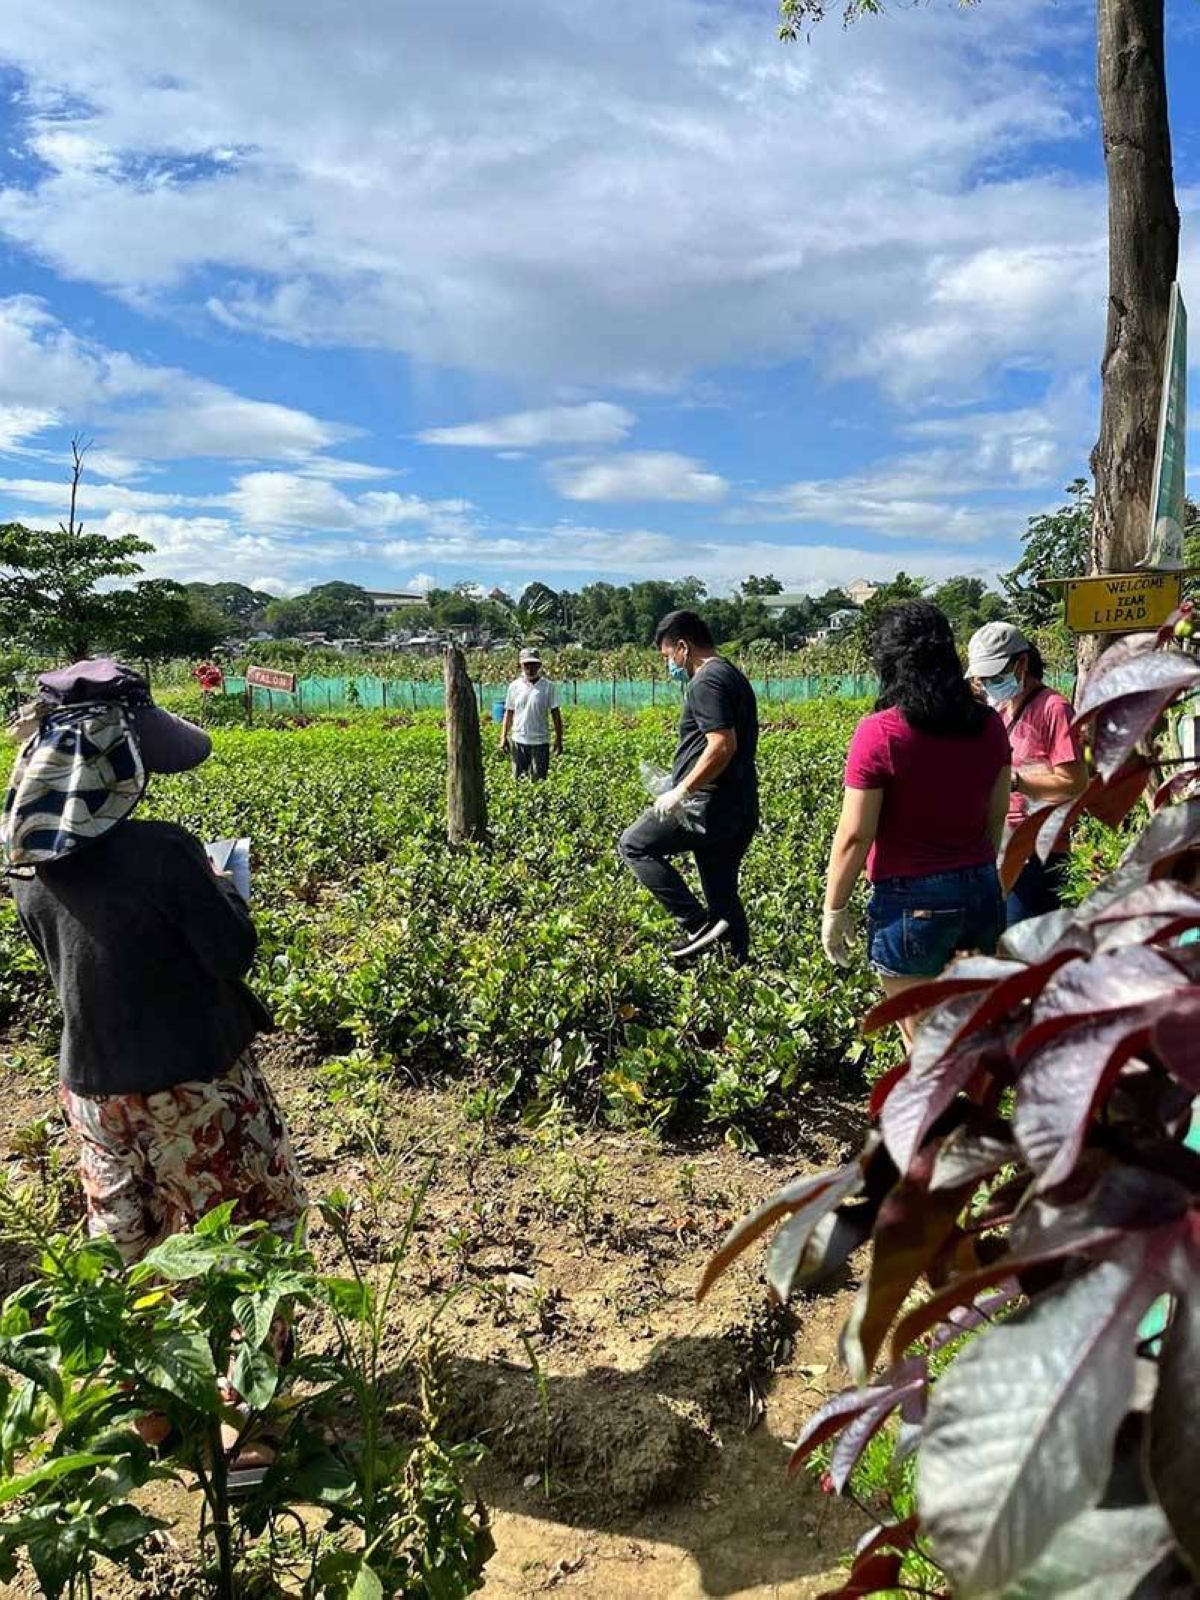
(152, 1164)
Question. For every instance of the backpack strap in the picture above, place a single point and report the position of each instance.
(1025, 705)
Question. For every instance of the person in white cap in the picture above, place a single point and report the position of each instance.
(1047, 759)
(530, 707)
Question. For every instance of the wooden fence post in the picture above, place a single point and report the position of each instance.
(466, 799)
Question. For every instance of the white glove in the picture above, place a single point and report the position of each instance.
(670, 801)
(838, 933)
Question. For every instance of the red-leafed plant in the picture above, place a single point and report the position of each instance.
(209, 676)
(1027, 1182)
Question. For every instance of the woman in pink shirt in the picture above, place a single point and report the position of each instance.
(1047, 761)
(927, 788)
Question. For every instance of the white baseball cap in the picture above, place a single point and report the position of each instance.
(992, 647)
(528, 657)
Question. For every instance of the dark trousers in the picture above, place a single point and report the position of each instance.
(1038, 889)
(533, 759)
(646, 849)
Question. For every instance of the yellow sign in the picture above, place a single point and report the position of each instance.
(1130, 602)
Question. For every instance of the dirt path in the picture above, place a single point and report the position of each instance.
(644, 1453)
(744, 1529)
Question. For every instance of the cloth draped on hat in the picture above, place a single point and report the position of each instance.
(79, 776)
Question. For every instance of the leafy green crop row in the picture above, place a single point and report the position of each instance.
(536, 961)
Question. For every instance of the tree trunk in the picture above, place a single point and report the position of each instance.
(1143, 255)
(466, 800)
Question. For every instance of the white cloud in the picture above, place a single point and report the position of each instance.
(638, 475)
(112, 464)
(19, 423)
(596, 422)
(336, 469)
(288, 500)
(627, 193)
(284, 560)
(872, 506)
(135, 409)
(54, 496)
(206, 549)
(970, 480)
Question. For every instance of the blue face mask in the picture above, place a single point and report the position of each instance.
(1000, 691)
(677, 673)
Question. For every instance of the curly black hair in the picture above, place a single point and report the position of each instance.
(920, 674)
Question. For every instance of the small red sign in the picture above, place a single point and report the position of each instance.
(265, 678)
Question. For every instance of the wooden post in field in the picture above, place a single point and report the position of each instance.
(466, 800)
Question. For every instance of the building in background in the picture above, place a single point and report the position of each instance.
(388, 601)
(785, 600)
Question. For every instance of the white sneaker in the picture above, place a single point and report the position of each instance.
(708, 936)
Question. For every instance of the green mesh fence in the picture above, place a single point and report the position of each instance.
(314, 695)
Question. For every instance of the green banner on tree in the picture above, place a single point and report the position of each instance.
(1167, 491)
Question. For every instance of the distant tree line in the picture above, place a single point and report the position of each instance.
(66, 593)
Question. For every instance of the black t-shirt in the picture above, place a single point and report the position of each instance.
(147, 949)
(719, 696)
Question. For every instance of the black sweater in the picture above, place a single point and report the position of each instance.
(147, 949)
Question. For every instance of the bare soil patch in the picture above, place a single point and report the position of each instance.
(635, 1441)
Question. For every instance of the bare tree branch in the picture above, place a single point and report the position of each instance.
(79, 448)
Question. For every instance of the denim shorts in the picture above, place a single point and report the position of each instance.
(916, 926)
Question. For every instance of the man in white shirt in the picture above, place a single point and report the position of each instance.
(531, 704)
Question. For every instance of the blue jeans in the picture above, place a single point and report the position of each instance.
(1038, 889)
(916, 926)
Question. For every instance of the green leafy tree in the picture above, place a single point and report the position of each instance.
(242, 607)
(157, 618)
(50, 598)
(459, 607)
(969, 603)
(1055, 546)
(605, 616)
(901, 588)
(532, 618)
(651, 600)
(833, 600)
(759, 586)
(338, 610)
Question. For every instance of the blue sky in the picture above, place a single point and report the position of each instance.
(403, 292)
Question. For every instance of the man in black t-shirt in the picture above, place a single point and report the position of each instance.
(711, 808)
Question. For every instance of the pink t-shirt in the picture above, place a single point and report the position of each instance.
(936, 793)
(1041, 737)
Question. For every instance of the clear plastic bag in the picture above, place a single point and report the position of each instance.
(657, 781)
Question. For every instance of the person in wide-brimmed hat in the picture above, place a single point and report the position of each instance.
(147, 948)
